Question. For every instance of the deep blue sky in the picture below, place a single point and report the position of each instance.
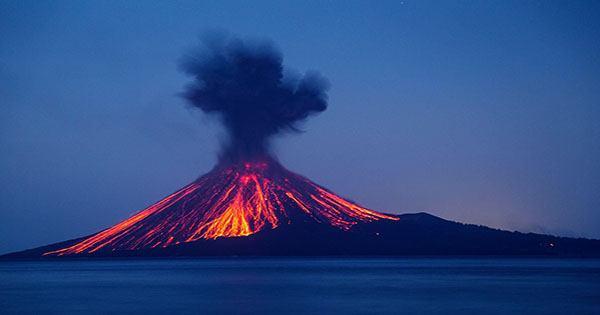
(480, 112)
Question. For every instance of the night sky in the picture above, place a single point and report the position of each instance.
(480, 112)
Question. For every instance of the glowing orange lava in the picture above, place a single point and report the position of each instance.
(237, 200)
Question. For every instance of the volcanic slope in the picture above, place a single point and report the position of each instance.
(233, 200)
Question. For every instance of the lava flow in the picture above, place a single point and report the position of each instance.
(234, 200)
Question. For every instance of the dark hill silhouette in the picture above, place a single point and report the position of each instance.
(413, 234)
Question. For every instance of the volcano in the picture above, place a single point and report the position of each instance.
(260, 208)
(230, 201)
(249, 204)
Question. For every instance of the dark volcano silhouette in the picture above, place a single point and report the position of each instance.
(260, 208)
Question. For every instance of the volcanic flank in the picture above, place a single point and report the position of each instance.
(249, 204)
(232, 200)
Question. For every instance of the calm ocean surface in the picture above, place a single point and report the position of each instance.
(302, 286)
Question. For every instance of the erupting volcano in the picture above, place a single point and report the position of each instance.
(249, 191)
(249, 204)
(232, 200)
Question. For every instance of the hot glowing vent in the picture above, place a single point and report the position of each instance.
(234, 200)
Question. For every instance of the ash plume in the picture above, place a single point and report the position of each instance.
(243, 83)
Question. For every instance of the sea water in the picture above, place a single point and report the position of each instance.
(302, 286)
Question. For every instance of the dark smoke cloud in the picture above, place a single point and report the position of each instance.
(243, 83)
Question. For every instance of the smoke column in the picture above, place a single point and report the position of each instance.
(243, 83)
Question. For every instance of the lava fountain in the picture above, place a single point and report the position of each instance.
(242, 83)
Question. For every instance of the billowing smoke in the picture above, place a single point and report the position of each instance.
(243, 83)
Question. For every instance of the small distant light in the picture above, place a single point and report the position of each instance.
(551, 244)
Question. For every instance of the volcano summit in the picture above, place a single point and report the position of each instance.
(249, 204)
